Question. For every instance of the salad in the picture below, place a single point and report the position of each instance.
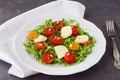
(59, 42)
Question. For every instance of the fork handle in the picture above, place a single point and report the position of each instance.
(116, 54)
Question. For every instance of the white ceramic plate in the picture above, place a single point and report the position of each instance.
(30, 62)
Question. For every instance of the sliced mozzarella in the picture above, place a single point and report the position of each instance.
(60, 51)
(66, 31)
(82, 38)
(40, 38)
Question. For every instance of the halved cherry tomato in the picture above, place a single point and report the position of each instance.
(47, 58)
(56, 40)
(69, 57)
(74, 46)
(87, 43)
(33, 35)
(58, 25)
(49, 31)
(40, 45)
(75, 30)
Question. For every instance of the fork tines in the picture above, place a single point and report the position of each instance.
(110, 28)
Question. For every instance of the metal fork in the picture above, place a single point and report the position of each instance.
(111, 33)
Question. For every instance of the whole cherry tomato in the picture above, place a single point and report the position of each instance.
(69, 57)
(58, 25)
(56, 40)
(49, 31)
(75, 31)
(47, 58)
(40, 45)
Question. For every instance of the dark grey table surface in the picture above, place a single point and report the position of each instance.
(97, 11)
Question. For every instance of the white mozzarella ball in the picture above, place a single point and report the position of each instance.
(40, 38)
(66, 31)
(81, 38)
(60, 51)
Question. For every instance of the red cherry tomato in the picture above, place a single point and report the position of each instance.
(58, 25)
(75, 31)
(49, 31)
(69, 57)
(47, 58)
(40, 45)
(56, 40)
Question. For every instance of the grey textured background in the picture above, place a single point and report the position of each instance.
(97, 11)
